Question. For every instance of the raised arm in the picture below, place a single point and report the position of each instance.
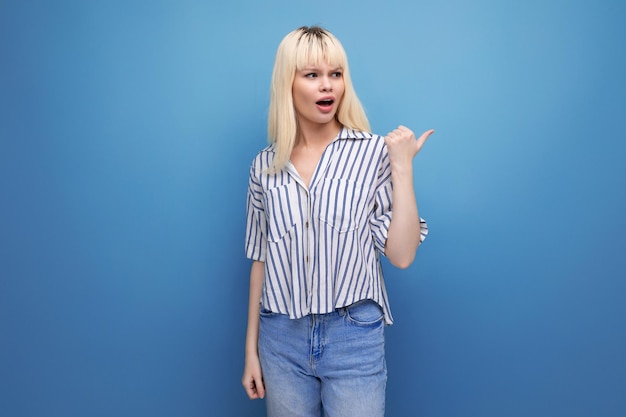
(403, 236)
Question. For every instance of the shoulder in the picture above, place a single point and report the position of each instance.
(364, 140)
(264, 158)
(347, 133)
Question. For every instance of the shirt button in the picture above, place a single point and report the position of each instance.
(307, 259)
(306, 225)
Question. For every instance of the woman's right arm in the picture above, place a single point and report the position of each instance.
(252, 375)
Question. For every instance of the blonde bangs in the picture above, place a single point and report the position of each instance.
(314, 50)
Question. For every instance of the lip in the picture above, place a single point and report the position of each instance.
(326, 98)
(326, 109)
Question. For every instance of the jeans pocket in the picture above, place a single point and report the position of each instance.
(364, 313)
(264, 312)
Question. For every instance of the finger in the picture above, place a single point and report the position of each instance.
(260, 388)
(404, 129)
(395, 136)
(397, 131)
(250, 388)
(422, 139)
(402, 133)
(251, 391)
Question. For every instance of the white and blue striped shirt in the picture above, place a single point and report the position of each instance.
(321, 244)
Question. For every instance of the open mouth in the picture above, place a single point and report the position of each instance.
(327, 102)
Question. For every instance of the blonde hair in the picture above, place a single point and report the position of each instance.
(301, 47)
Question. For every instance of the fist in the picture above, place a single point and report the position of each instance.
(402, 145)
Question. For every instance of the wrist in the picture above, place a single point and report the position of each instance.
(402, 170)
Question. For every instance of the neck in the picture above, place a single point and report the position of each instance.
(317, 135)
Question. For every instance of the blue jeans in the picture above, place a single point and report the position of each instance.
(332, 363)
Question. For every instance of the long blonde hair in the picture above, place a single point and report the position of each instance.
(301, 47)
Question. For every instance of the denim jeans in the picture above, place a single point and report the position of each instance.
(324, 363)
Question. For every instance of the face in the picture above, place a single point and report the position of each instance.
(317, 91)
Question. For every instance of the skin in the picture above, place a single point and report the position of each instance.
(403, 236)
(253, 377)
(317, 126)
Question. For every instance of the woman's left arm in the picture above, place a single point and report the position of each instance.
(403, 236)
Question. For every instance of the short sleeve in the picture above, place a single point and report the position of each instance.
(381, 217)
(423, 230)
(256, 225)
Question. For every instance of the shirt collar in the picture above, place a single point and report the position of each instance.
(344, 133)
(347, 133)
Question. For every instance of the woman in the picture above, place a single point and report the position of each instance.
(321, 211)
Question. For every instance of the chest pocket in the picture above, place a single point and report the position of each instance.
(283, 211)
(341, 204)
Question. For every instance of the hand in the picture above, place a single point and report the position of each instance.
(252, 379)
(402, 145)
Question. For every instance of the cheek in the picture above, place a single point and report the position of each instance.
(303, 95)
(298, 101)
(340, 88)
(340, 92)
(299, 91)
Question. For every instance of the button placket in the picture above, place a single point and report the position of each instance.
(309, 247)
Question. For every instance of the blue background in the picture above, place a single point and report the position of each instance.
(127, 129)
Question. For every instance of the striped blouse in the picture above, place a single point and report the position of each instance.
(321, 245)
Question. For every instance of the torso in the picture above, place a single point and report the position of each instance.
(340, 193)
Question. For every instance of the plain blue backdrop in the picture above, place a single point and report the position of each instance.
(127, 129)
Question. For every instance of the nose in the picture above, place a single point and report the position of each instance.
(325, 84)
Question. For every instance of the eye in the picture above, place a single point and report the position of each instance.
(337, 74)
(310, 75)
